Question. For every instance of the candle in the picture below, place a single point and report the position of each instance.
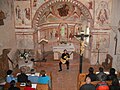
(87, 30)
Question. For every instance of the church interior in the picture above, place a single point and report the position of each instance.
(34, 34)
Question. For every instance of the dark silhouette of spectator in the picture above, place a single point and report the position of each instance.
(22, 77)
(101, 73)
(91, 74)
(111, 74)
(10, 77)
(28, 85)
(102, 85)
(88, 85)
(13, 86)
(115, 84)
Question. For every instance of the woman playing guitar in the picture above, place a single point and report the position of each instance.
(64, 60)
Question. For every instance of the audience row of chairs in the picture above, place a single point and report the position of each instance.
(31, 81)
(94, 79)
(43, 81)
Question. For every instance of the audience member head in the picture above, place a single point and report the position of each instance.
(115, 82)
(12, 83)
(101, 69)
(42, 72)
(9, 72)
(112, 71)
(91, 70)
(88, 80)
(22, 70)
(28, 83)
(103, 78)
(32, 71)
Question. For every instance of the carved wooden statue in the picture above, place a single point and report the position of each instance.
(4, 65)
(108, 62)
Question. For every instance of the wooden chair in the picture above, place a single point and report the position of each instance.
(42, 87)
(108, 62)
(45, 86)
(95, 83)
(81, 78)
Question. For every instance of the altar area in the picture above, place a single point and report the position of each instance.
(58, 50)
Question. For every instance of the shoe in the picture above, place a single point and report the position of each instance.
(67, 68)
(60, 70)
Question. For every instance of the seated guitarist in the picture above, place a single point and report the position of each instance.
(64, 60)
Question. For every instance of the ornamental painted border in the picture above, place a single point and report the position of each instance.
(37, 16)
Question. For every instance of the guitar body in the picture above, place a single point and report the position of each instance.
(66, 59)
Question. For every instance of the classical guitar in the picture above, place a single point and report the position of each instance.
(66, 58)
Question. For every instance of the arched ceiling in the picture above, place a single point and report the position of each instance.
(61, 11)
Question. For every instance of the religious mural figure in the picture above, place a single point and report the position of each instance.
(90, 5)
(62, 31)
(27, 13)
(103, 13)
(2, 16)
(102, 16)
(56, 34)
(34, 3)
(22, 14)
(18, 12)
(78, 29)
(71, 34)
(64, 10)
(51, 34)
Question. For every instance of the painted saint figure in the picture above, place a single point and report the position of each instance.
(27, 13)
(102, 13)
(102, 16)
(18, 12)
(62, 31)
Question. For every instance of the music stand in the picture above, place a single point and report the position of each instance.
(97, 63)
(43, 42)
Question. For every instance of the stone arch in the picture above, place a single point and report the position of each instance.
(43, 29)
(82, 7)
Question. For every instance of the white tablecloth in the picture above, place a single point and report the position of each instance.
(22, 63)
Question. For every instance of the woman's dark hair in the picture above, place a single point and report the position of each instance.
(101, 69)
(91, 70)
(32, 71)
(9, 72)
(115, 82)
(42, 72)
(112, 71)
